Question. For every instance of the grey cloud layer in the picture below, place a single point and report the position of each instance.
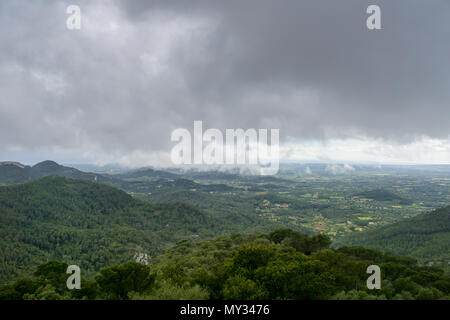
(139, 69)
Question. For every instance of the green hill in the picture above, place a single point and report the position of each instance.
(281, 265)
(383, 195)
(425, 237)
(89, 224)
(143, 174)
(15, 173)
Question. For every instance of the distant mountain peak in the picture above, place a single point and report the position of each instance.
(12, 163)
(47, 164)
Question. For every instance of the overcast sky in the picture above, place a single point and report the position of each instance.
(114, 90)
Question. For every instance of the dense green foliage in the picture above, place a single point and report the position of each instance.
(101, 228)
(117, 281)
(49, 283)
(287, 265)
(383, 195)
(425, 237)
(88, 224)
(281, 265)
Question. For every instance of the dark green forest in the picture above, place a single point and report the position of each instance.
(281, 265)
(426, 237)
(383, 195)
(91, 224)
(209, 235)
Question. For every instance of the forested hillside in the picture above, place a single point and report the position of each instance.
(146, 174)
(425, 237)
(89, 224)
(14, 173)
(383, 195)
(92, 224)
(281, 265)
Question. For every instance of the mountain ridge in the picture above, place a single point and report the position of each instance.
(88, 224)
(12, 172)
(425, 237)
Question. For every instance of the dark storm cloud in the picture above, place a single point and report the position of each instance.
(139, 69)
(392, 82)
